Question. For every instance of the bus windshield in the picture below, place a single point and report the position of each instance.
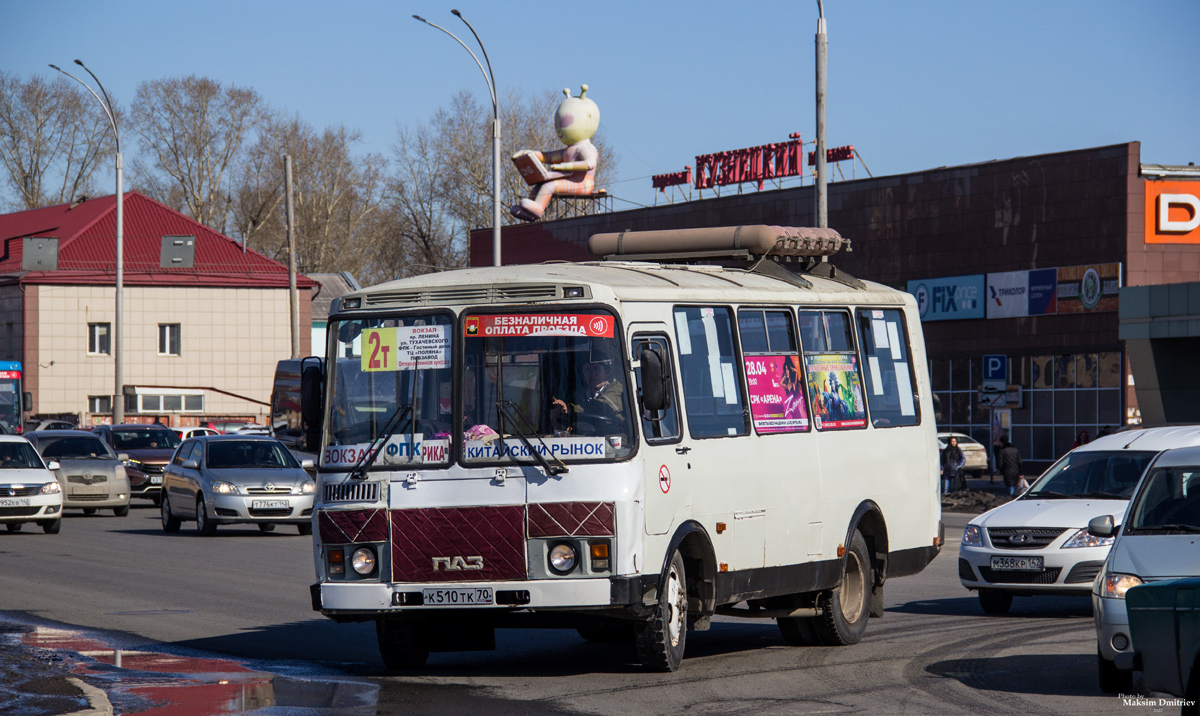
(390, 378)
(549, 382)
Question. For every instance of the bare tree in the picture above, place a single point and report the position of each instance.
(53, 138)
(336, 196)
(192, 130)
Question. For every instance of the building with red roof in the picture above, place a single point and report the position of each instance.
(205, 321)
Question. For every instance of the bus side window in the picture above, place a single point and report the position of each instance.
(711, 374)
(891, 390)
(667, 429)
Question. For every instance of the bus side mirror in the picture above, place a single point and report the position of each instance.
(27, 402)
(656, 383)
(312, 382)
(1102, 526)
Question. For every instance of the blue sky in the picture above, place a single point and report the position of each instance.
(913, 85)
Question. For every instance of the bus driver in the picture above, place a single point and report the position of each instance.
(603, 395)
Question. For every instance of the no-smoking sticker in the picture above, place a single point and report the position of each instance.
(664, 479)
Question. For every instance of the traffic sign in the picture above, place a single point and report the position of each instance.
(995, 368)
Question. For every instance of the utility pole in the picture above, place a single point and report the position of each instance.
(293, 294)
(822, 200)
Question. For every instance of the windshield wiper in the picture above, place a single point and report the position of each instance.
(390, 428)
(502, 407)
(1171, 527)
(1046, 495)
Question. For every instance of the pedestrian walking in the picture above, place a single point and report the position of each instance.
(952, 464)
(1009, 462)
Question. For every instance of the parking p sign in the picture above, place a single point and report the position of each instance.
(995, 368)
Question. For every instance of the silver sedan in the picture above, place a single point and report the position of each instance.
(231, 479)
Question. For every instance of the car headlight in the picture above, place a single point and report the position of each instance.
(972, 536)
(224, 488)
(363, 560)
(1116, 584)
(51, 488)
(1083, 539)
(131, 463)
(563, 558)
(307, 488)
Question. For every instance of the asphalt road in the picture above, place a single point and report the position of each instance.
(245, 593)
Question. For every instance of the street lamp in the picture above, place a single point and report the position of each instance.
(118, 404)
(491, 83)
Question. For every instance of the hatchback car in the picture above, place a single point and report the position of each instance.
(974, 453)
(1158, 541)
(144, 450)
(90, 475)
(231, 479)
(28, 490)
(1039, 543)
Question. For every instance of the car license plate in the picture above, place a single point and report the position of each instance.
(16, 502)
(269, 505)
(156, 479)
(1017, 564)
(457, 596)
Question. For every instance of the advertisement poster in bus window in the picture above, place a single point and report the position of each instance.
(837, 394)
(776, 394)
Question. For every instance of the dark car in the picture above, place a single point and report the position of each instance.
(145, 451)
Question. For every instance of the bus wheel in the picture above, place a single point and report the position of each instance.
(845, 610)
(660, 640)
(400, 644)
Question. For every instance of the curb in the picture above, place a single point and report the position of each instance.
(97, 700)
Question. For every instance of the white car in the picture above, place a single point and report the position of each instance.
(29, 491)
(185, 433)
(1039, 543)
(1157, 542)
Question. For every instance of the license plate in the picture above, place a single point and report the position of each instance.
(269, 505)
(457, 596)
(1017, 564)
(156, 479)
(15, 502)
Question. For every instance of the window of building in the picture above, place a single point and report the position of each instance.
(712, 394)
(773, 373)
(99, 403)
(99, 339)
(891, 391)
(164, 403)
(170, 336)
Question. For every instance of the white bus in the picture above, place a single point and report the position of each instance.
(626, 447)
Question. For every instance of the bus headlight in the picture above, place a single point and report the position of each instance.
(363, 560)
(563, 558)
(51, 488)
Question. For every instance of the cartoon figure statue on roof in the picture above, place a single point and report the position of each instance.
(570, 171)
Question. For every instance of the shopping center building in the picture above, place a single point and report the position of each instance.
(1023, 258)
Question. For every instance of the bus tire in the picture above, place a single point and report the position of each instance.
(170, 523)
(400, 644)
(846, 609)
(661, 639)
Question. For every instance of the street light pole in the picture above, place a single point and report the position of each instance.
(118, 400)
(490, 79)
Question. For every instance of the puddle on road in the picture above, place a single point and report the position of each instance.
(153, 683)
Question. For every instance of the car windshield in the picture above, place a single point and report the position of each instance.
(390, 377)
(18, 456)
(1092, 474)
(1169, 500)
(552, 383)
(144, 439)
(225, 454)
(74, 448)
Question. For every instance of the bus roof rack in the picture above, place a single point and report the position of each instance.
(752, 244)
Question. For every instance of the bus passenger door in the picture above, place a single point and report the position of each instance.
(667, 490)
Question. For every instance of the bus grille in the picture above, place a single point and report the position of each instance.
(352, 492)
(458, 544)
